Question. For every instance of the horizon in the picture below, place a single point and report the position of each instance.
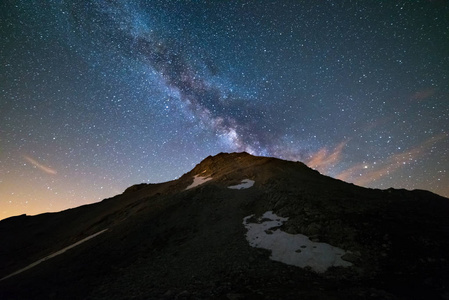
(200, 182)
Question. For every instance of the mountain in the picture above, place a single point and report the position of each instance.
(237, 226)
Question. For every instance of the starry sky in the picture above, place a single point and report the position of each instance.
(96, 96)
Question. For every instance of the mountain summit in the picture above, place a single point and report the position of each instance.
(237, 226)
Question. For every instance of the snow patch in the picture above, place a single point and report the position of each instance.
(198, 180)
(245, 184)
(53, 255)
(292, 249)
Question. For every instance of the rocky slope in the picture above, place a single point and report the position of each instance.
(236, 227)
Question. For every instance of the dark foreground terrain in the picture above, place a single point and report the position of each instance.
(164, 241)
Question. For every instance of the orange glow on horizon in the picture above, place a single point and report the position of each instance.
(361, 175)
(324, 160)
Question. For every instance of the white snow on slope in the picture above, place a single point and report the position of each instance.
(198, 180)
(292, 249)
(245, 184)
(53, 255)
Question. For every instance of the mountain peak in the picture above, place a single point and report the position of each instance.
(223, 163)
(235, 226)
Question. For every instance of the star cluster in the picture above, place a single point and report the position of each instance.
(96, 96)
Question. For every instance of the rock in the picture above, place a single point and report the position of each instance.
(183, 295)
(351, 257)
(235, 296)
(168, 294)
(313, 229)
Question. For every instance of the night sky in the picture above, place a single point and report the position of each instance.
(96, 96)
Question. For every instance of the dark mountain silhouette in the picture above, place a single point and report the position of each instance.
(221, 232)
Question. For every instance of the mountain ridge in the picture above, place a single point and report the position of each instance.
(192, 234)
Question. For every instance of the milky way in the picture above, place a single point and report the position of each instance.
(98, 95)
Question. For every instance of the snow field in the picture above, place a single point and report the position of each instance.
(245, 184)
(198, 180)
(292, 249)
